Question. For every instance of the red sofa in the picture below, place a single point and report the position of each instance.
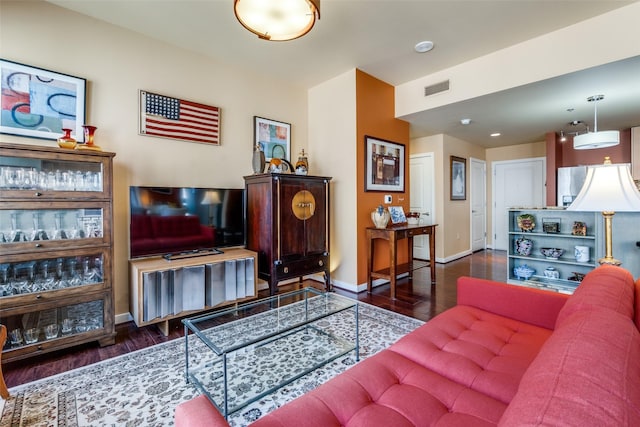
(505, 355)
(151, 234)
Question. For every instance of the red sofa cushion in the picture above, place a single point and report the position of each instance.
(607, 287)
(480, 350)
(585, 375)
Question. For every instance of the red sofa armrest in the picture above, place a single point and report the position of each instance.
(199, 412)
(535, 306)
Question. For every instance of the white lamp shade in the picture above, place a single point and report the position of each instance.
(607, 188)
(277, 20)
(591, 140)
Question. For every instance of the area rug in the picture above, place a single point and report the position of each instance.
(143, 388)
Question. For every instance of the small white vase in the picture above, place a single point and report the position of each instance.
(380, 220)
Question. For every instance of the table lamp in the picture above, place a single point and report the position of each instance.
(607, 188)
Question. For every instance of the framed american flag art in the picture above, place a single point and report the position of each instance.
(166, 117)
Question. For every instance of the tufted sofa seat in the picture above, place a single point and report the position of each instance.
(505, 355)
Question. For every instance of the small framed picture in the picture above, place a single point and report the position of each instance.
(551, 225)
(397, 215)
(273, 137)
(579, 228)
(39, 103)
(458, 178)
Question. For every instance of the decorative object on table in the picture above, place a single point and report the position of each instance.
(380, 217)
(258, 160)
(551, 225)
(165, 117)
(414, 218)
(581, 253)
(277, 165)
(89, 132)
(66, 140)
(458, 170)
(551, 253)
(579, 228)
(273, 137)
(551, 273)
(384, 165)
(526, 222)
(608, 188)
(523, 272)
(302, 165)
(397, 214)
(39, 103)
(523, 246)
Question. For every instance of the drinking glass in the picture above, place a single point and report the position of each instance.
(31, 335)
(67, 326)
(16, 336)
(51, 331)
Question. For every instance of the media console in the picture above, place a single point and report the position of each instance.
(163, 289)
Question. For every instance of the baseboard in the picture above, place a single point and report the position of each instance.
(455, 256)
(363, 286)
(123, 318)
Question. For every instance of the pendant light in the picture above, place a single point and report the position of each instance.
(595, 139)
(277, 20)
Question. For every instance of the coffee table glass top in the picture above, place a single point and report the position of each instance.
(243, 353)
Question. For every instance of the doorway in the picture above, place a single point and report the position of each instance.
(516, 183)
(478, 195)
(421, 194)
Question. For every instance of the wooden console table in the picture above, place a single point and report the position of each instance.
(393, 234)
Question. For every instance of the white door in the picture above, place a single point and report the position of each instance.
(516, 183)
(478, 194)
(421, 196)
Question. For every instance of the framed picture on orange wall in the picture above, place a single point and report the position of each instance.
(384, 165)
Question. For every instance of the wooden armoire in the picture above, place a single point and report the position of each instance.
(288, 225)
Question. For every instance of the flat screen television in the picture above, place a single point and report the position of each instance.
(182, 220)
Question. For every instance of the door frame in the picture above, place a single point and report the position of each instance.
(472, 198)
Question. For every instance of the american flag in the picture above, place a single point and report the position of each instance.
(167, 117)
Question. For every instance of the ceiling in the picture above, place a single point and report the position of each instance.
(377, 37)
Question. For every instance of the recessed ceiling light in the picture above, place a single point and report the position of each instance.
(424, 46)
(495, 134)
(465, 121)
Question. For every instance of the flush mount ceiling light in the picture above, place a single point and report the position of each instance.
(595, 139)
(277, 20)
(424, 46)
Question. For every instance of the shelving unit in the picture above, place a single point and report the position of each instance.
(56, 234)
(566, 265)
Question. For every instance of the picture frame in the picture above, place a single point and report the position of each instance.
(397, 215)
(458, 169)
(39, 103)
(384, 165)
(163, 116)
(273, 137)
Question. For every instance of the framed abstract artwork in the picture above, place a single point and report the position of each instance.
(273, 137)
(39, 103)
(384, 165)
(458, 178)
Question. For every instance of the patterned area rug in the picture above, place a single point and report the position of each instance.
(144, 387)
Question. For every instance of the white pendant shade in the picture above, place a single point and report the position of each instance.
(607, 188)
(277, 20)
(591, 140)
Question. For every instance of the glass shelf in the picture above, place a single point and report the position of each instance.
(21, 173)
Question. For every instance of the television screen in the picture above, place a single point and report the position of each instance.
(171, 220)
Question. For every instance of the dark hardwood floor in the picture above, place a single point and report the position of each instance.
(415, 298)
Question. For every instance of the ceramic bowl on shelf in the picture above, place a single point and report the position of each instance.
(523, 272)
(552, 253)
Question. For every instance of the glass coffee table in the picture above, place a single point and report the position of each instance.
(241, 354)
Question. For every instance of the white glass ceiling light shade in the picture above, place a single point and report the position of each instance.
(595, 139)
(277, 20)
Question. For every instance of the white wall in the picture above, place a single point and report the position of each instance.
(596, 41)
(117, 64)
(332, 124)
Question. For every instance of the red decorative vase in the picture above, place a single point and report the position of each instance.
(89, 131)
(66, 141)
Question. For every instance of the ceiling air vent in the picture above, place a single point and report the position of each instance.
(436, 88)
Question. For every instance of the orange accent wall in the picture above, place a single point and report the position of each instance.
(375, 116)
(561, 154)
